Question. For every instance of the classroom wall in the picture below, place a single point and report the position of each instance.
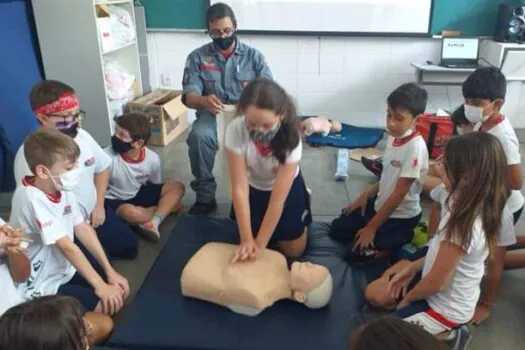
(346, 78)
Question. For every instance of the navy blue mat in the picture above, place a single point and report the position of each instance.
(349, 137)
(161, 318)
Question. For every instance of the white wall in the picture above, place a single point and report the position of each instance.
(345, 78)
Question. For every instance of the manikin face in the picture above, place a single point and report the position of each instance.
(306, 276)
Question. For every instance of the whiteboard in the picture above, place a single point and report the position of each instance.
(329, 16)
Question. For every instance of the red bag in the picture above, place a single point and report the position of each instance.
(436, 131)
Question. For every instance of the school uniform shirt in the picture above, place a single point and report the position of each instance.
(506, 135)
(9, 294)
(507, 235)
(457, 302)
(404, 157)
(261, 164)
(93, 160)
(45, 219)
(128, 175)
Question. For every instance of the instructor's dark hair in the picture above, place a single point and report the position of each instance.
(392, 333)
(267, 94)
(219, 11)
(46, 323)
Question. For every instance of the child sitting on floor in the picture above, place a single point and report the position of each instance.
(445, 297)
(136, 192)
(47, 212)
(383, 217)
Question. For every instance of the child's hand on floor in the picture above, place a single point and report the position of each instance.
(482, 314)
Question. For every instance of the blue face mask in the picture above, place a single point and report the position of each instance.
(265, 136)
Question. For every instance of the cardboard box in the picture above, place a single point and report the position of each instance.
(168, 112)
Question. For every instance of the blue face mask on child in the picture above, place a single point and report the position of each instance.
(264, 136)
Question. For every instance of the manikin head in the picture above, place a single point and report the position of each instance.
(311, 284)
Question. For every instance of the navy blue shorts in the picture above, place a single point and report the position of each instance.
(117, 237)
(148, 196)
(79, 288)
(296, 214)
(392, 235)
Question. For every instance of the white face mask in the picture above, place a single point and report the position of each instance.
(68, 180)
(475, 114)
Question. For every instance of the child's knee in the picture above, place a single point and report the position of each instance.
(376, 294)
(175, 187)
(100, 328)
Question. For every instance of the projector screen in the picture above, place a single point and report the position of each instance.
(332, 16)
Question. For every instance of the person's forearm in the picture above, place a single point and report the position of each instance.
(426, 287)
(194, 101)
(101, 184)
(492, 280)
(87, 236)
(19, 266)
(75, 256)
(270, 221)
(433, 221)
(241, 205)
(388, 207)
(372, 190)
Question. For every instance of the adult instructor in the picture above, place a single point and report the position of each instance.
(214, 76)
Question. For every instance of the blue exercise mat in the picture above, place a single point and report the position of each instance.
(349, 137)
(160, 318)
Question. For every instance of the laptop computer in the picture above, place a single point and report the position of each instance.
(460, 53)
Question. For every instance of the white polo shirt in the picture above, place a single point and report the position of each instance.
(506, 135)
(9, 295)
(261, 166)
(45, 219)
(93, 160)
(128, 175)
(405, 157)
(457, 302)
(507, 235)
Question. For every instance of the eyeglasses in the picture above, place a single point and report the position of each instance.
(219, 33)
(80, 115)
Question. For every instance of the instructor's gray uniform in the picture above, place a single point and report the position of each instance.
(207, 72)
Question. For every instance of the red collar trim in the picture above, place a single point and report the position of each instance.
(140, 159)
(263, 149)
(30, 181)
(492, 122)
(404, 140)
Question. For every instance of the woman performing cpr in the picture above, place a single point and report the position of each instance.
(270, 201)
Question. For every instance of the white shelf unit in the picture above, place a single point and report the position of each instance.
(72, 52)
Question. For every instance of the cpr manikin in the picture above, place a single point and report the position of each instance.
(248, 288)
(319, 125)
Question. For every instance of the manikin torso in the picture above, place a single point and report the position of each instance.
(250, 287)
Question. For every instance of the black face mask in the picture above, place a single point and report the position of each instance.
(120, 146)
(224, 43)
(71, 130)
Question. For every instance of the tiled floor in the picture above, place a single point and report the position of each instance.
(503, 331)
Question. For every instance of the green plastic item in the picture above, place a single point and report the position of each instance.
(420, 235)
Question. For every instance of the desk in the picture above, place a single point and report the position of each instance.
(430, 74)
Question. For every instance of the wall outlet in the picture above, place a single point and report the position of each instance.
(165, 79)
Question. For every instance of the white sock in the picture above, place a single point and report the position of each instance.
(157, 219)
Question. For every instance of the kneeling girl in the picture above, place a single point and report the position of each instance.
(270, 200)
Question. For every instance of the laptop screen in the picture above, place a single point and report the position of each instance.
(460, 49)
